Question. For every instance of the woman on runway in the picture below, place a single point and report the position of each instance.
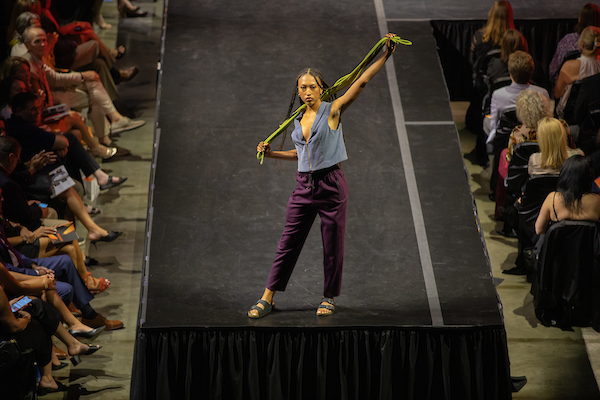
(321, 187)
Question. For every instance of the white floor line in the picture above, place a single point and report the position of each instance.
(435, 308)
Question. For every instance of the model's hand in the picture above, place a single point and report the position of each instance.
(390, 45)
(264, 148)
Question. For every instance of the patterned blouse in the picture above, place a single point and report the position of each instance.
(566, 45)
(520, 134)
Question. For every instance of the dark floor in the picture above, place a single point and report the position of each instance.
(222, 94)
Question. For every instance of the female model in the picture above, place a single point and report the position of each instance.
(321, 187)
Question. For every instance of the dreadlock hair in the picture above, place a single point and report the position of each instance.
(575, 180)
(315, 73)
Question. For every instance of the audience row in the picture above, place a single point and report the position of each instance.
(57, 115)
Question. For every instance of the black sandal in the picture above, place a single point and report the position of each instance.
(261, 311)
(329, 306)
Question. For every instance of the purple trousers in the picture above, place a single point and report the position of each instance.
(323, 192)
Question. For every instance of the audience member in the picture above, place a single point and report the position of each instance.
(573, 70)
(520, 68)
(552, 138)
(21, 127)
(88, 92)
(589, 16)
(483, 44)
(573, 198)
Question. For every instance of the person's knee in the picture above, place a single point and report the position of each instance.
(64, 291)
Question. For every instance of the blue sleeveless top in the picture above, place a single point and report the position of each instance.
(325, 147)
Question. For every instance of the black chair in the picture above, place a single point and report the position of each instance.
(567, 275)
(517, 174)
(498, 83)
(18, 372)
(588, 132)
(506, 123)
(535, 191)
(571, 55)
(569, 110)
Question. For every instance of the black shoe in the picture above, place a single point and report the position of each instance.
(510, 234)
(44, 391)
(59, 366)
(472, 156)
(90, 261)
(515, 271)
(112, 235)
(88, 335)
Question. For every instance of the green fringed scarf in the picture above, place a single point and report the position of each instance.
(341, 83)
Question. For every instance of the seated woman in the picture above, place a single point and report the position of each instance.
(18, 68)
(531, 107)
(589, 16)
(9, 88)
(552, 138)
(497, 70)
(573, 70)
(573, 198)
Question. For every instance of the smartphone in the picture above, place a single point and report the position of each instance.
(43, 205)
(20, 304)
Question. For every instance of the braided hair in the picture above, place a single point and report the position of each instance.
(315, 73)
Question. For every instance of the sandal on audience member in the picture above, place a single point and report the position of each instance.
(96, 285)
(92, 210)
(112, 183)
(261, 311)
(326, 309)
(104, 152)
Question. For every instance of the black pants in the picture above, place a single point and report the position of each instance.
(78, 159)
(38, 333)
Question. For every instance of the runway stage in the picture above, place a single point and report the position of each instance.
(418, 317)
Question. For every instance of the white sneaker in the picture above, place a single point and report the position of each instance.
(125, 124)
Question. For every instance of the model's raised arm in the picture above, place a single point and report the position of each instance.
(340, 105)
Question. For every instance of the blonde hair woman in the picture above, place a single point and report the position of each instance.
(573, 70)
(553, 148)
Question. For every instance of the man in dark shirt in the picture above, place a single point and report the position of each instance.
(22, 126)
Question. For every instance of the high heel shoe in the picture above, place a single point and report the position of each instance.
(89, 334)
(76, 359)
(98, 284)
(112, 235)
(104, 152)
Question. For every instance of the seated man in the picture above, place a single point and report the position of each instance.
(88, 90)
(20, 126)
(520, 67)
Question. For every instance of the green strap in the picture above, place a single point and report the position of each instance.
(341, 83)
